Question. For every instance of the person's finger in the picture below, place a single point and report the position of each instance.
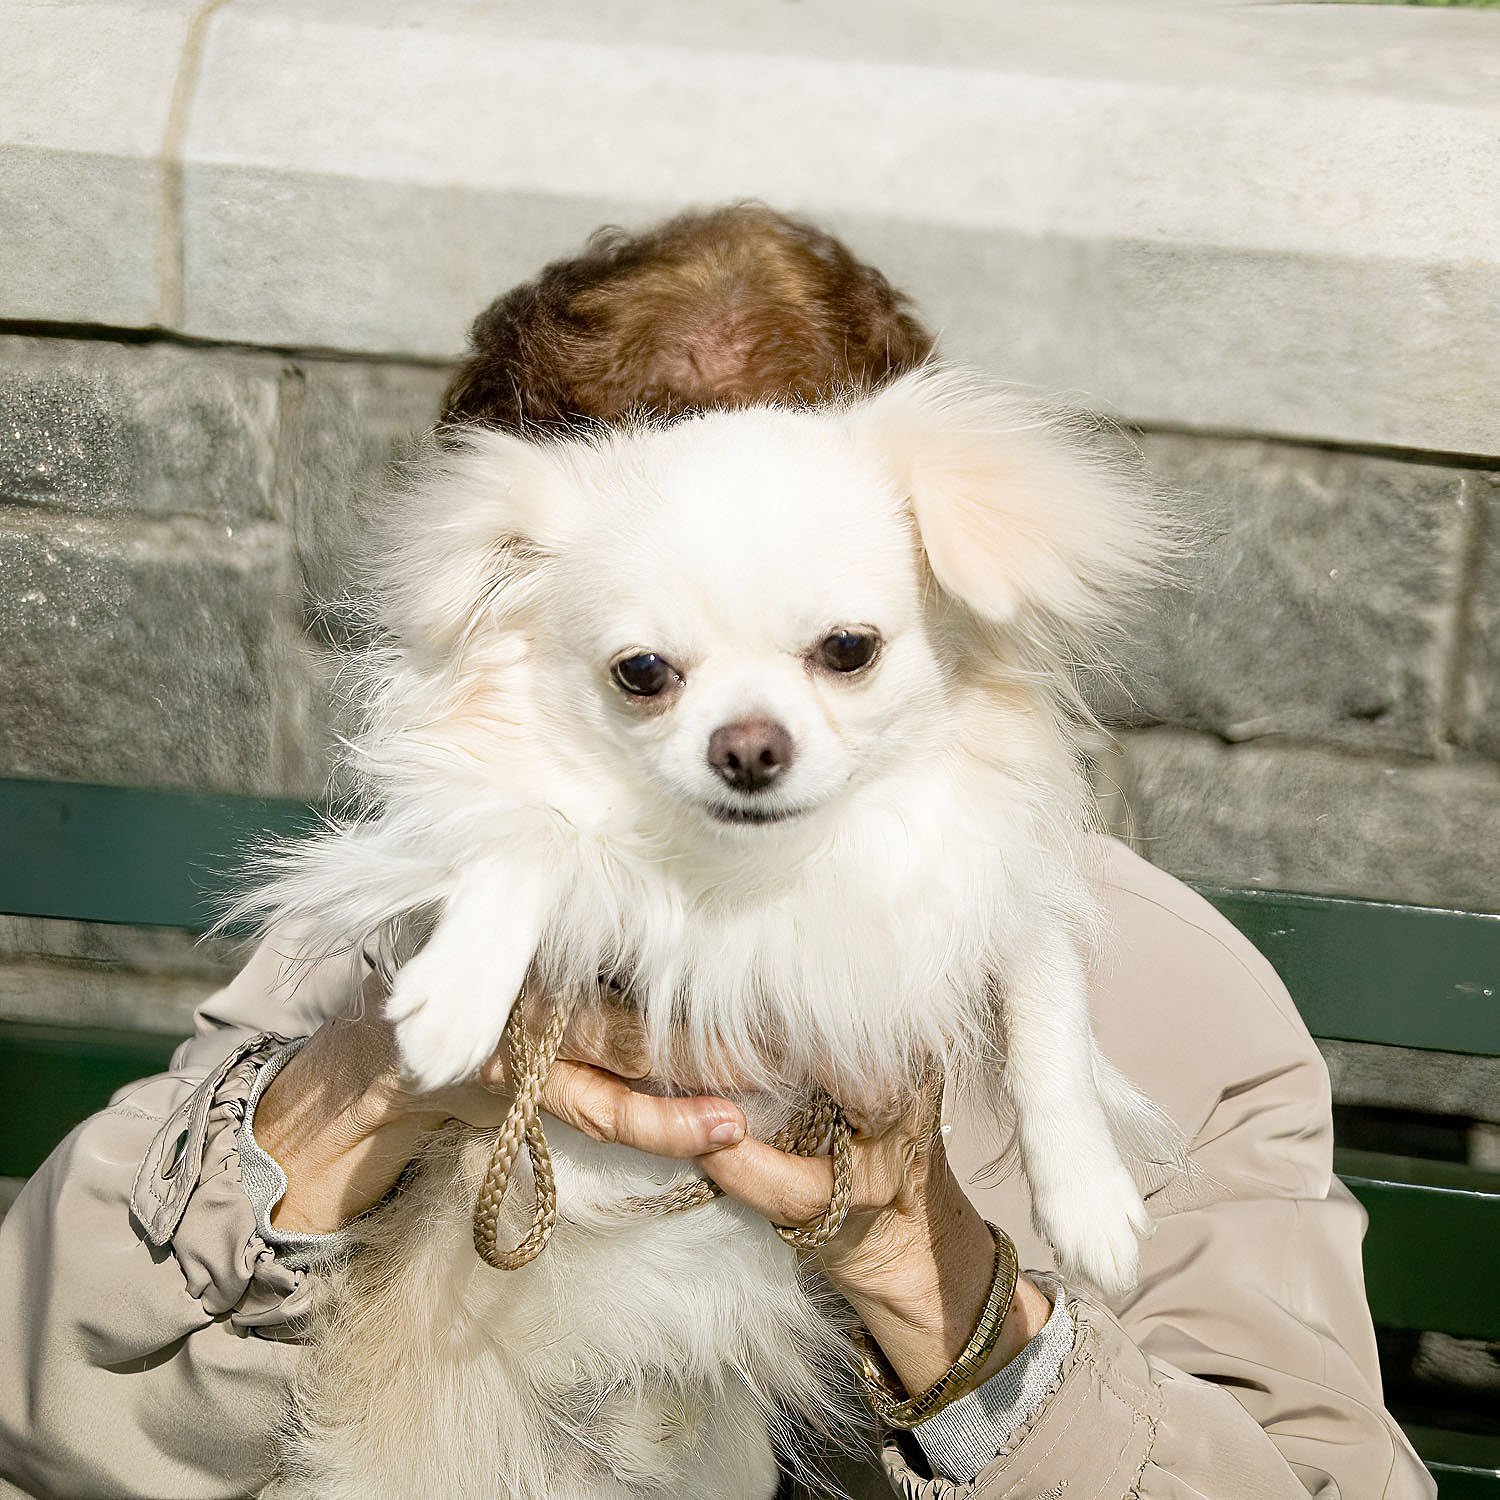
(605, 1107)
(782, 1188)
(790, 1189)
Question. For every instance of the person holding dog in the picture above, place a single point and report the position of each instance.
(1242, 1367)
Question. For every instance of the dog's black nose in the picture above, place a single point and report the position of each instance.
(751, 753)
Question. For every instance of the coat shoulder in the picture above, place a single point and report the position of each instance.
(1184, 1002)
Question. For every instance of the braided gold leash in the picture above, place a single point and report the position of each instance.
(821, 1121)
(529, 1068)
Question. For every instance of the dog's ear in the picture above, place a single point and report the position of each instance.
(481, 515)
(1020, 519)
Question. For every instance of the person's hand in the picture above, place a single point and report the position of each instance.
(914, 1258)
(343, 1125)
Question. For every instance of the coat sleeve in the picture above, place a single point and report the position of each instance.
(133, 1251)
(1243, 1366)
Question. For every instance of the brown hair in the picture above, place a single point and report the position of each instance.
(721, 308)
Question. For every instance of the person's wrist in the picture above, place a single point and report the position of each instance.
(385, 1107)
(902, 1408)
(335, 1182)
(903, 1258)
(338, 1123)
(920, 1280)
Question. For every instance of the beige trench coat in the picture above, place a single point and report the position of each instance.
(1243, 1366)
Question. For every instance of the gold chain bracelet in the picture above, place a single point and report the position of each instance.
(962, 1376)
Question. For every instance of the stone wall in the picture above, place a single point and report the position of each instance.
(169, 518)
(145, 555)
(1315, 708)
(1264, 237)
(167, 514)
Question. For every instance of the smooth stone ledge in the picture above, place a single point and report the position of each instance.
(1269, 218)
(86, 94)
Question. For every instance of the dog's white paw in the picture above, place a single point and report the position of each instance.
(1094, 1220)
(444, 1029)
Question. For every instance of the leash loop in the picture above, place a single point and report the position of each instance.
(822, 1121)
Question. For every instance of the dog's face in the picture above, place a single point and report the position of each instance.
(748, 612)
(742, 615)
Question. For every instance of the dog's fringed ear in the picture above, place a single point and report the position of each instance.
(486, 507)
(1020, 518)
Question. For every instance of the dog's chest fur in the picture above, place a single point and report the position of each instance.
(852, 952)
(654, 1355)
(638, 1356)
(642, 1356)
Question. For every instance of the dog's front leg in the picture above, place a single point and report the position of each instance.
(1083, 1199)
(451, 1002)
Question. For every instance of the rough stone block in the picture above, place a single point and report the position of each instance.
(311, 718)
(1432, 1083)
(153, 653)
(345, 425)
(77, 995)
(1318, 603)
(1306, 819)
(97, 427)
(1479, 710)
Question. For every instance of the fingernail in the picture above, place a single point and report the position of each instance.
(730, 1133)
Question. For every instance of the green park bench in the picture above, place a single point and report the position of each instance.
(1362, 971)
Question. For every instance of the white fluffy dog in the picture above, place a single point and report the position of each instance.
(767, 714)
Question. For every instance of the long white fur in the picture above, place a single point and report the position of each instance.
(927, 898)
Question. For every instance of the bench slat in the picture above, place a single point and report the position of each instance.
(1466, 1465)
(1366, 971)
(52, 1077)
(1427, 1222)
(1457, 1482)
(127, 854)
(1376, 971)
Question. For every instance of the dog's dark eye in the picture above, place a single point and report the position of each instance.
(644, 675)
(848, 650)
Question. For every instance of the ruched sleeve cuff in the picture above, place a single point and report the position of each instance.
(265, 1181)
(190, 1198)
